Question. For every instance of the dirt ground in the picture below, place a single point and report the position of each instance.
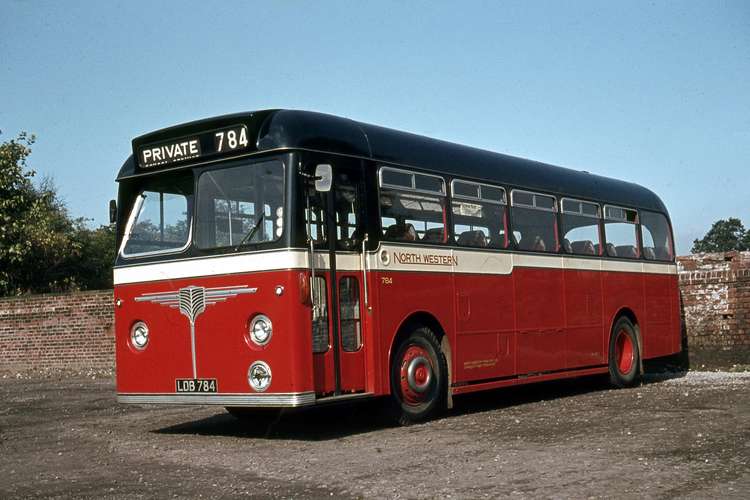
(684, 437)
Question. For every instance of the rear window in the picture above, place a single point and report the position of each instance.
(657, 240)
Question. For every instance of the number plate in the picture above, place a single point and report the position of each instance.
(199, 385)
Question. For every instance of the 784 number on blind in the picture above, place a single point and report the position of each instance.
(230, 139)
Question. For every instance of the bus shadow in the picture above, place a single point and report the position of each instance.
(310, 424)
(498, 399)
(506, 397)
(337, 421)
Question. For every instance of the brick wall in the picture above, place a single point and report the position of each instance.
(715, 290)
(57, 332)
(74, 332)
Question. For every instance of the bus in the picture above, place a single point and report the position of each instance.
(282, 258)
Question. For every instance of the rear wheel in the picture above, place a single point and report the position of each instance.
(418, 378)
(624, 354)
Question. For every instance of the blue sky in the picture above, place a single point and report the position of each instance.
(652, 92)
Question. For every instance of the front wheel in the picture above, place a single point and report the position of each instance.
(419, 374)
(624, 354)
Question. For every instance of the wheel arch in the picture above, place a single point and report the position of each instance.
(418, 319)
(627, 312)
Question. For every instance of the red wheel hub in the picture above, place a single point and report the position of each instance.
(416, 375)
(624, 352)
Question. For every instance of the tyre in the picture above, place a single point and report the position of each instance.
(624, 354)
(419, 376)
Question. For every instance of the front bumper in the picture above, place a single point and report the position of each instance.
(278, 400)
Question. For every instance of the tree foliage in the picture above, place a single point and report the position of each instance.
(43, 249)
(724, 236)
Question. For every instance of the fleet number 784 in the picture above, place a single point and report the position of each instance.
(227, 140)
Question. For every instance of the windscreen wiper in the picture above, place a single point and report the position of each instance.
(250, 234)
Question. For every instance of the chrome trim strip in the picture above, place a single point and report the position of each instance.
(472, 261)
(286, 400)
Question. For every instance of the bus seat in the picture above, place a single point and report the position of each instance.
(539, 244)
(649, 253)
(584, 247)
(567, 247)
(497, 241)
(627, 251)
(403, 232)
(433, 235)
(472, 239)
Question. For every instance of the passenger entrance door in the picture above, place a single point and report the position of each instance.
(336, 220)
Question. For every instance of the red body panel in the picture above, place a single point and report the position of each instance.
(533, 321)
(485, 336)
(584, 322)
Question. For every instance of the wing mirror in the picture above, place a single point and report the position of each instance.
(323, 178)
(112, 211)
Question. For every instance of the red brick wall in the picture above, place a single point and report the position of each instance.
(715, 291)
(74, 332)
(57, 332)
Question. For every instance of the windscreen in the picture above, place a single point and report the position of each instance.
(161, 217)
(240, 205)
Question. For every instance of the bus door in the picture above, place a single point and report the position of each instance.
(338, 288)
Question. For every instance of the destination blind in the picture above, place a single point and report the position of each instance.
(224, 141)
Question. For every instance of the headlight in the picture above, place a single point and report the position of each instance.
(261, 329)
(139, 335)
(259, 376)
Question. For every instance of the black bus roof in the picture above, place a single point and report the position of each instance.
(304, 130)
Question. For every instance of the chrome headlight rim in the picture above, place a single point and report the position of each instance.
(259, 376)
(254, 334)
(139, 330)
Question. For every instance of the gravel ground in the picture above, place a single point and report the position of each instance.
(683, 437)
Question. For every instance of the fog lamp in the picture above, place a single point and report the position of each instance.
(259, 376)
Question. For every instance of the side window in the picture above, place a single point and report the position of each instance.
(412, 207)
(534, 221)
(479, 215)
(620, 232)
(580, 227)
(320, 315)
(657, 240)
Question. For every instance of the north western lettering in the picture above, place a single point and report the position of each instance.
(425, 259)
